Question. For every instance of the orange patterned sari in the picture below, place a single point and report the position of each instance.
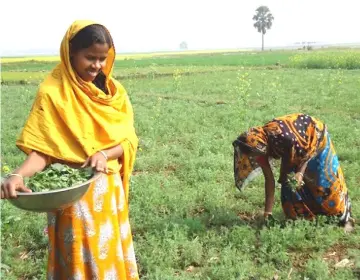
(302, 139)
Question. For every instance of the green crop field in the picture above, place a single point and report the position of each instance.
(188, 219)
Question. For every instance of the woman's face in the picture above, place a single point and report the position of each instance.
(90, 61)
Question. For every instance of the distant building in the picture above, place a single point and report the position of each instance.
(183, 45)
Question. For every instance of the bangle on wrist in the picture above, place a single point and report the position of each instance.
(104, 154)
(16, 175)
(266, 213)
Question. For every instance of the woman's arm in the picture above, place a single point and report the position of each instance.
(114, 152)
(302, 167)
(35, 162)
(300, 171)
(99, 160)
(269, 186)
(284, 169)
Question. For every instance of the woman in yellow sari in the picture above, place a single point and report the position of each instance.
(83, 117)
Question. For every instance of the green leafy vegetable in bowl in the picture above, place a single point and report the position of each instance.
(58, 176)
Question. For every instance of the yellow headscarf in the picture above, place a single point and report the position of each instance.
(72, 119)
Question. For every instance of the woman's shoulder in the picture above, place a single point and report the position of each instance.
(51, 84)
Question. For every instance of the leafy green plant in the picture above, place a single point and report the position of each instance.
(58, 176)
(243, 87)
(177, 79)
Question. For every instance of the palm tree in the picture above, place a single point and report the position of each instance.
(263, 21)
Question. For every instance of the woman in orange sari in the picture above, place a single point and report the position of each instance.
(304, 146)
(83, 117)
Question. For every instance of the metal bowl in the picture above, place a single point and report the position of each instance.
(49, 201)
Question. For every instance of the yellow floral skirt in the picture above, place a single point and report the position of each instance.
(92, 239)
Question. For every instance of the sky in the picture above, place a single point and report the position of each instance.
(38, 26)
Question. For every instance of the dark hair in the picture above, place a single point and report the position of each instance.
(85, 38)
(241, 143)
(91, 34)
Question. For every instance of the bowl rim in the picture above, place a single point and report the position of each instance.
(92, 179)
